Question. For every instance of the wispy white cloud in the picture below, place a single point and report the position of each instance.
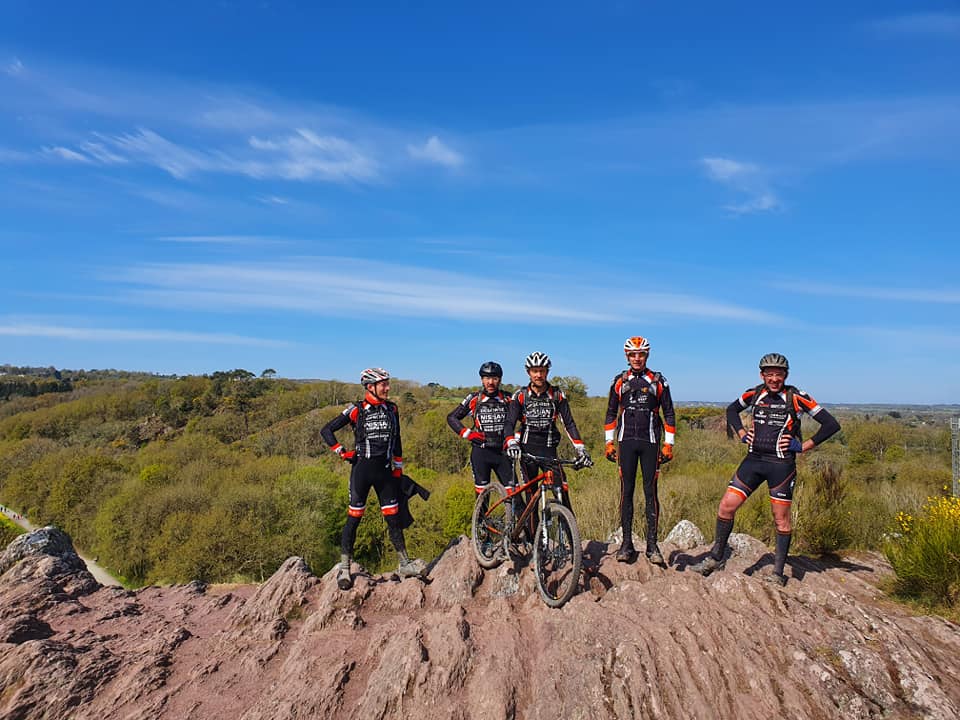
(305, 155)
(148, 147)
(89, 334)
(437, 152)
(330, 286)
(67, 154)
(762, 202)
(727, 170)
(747, 179)
(98, 152)
(166, 197)
(302, 155)
(239, 240)
(273, 200)
(8, 155)
(945, 24)
(187, 129)
(14, 67)
(893, 294)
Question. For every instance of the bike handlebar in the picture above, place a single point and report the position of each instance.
(576, 464)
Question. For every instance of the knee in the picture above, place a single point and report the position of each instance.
(728, 506)
(783, 524)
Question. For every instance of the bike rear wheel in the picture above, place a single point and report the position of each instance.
(489, 525)
(557, 555)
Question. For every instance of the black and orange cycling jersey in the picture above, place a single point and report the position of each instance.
(488, 412)
(376, 426)
(776, 415)
(537, 414)
(634, 406)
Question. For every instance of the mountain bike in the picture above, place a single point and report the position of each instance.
(557, 554)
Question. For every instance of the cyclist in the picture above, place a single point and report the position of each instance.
(537, 407)
(638, 395)
(772, 447)
(378, 463)
(488, 408)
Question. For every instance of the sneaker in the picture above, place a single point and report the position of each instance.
(707, 565)
(344, 581)
(776, 578)
(625, 553)
(655, 556)
(411, 568)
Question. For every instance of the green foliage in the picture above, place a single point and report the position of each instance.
(822, 512)
(874, 438)
(924, 551)
(9, 530)
(573, 387)
(222, 477)
(459, 502)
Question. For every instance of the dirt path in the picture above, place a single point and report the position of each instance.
(99, 573)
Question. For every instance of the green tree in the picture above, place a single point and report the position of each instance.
(874, 438)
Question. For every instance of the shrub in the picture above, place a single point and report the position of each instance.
(8, 531)
(924, 551)
(823, 518)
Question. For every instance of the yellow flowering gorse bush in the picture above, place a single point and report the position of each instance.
(925, 552)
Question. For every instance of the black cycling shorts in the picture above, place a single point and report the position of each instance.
(483, 461)
(780, 478)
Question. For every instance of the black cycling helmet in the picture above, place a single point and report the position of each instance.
(774, 360)
(491, 369)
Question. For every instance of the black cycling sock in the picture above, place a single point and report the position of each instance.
(724, 527)
(396, 533)
(783, 546)
(349, 535)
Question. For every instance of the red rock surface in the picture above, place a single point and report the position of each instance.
(637, 642)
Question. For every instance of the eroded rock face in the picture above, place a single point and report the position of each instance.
(638, 641)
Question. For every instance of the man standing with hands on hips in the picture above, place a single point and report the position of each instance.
(773, 444)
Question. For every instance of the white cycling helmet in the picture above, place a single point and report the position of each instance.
(371, 376)
(537, 359)
(635, 344)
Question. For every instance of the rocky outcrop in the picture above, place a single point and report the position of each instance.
(637, 642)
(685, 536)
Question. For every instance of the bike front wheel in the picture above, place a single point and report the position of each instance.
(557, 555)
(489, 525)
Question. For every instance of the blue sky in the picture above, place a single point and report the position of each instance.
(190, 187)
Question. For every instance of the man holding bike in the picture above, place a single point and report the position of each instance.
(488, 408)
(637, 398)
(378, 463)
(773, 444)
(537, 407)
